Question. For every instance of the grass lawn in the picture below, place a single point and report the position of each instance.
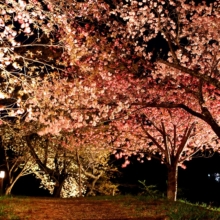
(118, 207)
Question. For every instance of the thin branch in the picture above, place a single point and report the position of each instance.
(153, 139)
(189, 156)
(184, 141)
(33, 45)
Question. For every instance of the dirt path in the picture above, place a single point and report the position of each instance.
(73, 209)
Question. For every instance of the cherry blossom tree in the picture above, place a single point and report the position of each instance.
(116, 70)
(95, 165)
(91, 154)
(56, 164)
(129, 33)
(92, 112)
(105, 98)
(67, 170)
(171, 136)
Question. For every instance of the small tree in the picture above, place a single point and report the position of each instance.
(95, 165)
(17, 158)
(56, 164)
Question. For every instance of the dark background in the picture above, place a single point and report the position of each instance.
(197, 183)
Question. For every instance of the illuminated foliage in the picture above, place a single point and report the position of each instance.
(123, 61)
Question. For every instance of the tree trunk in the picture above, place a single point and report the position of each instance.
(80, 181)
(12, 183)
(8, 190)
(80, 173)
(57, 189)
(172, 182)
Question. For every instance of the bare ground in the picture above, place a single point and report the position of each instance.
(77, 209)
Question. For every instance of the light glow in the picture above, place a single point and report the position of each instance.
(2, 174)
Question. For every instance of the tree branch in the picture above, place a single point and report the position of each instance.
(193, 73)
